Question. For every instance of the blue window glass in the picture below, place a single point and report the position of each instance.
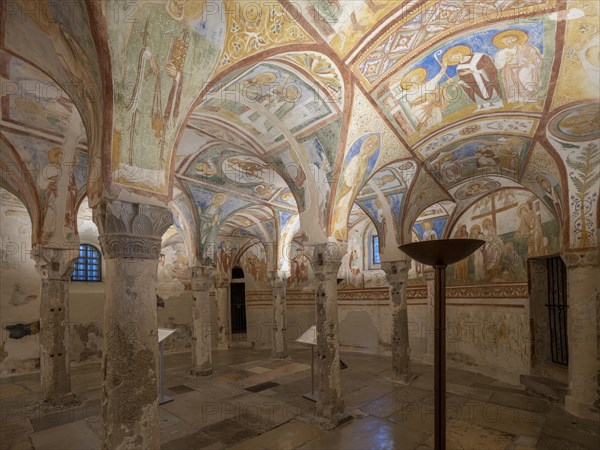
(376, 250)
(88, 266)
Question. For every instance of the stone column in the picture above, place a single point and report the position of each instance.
(429, 325)
(130, 236)
(326, 261)
(222, 296)
(279, 283)
(583, 288)
(202, 282)
(397, 274)
(55, 267)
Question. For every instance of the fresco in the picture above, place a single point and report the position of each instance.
(254, 264)
(49, 164)
(174, 274)
(324, 71)
(166, 56)
(301, 273)
(479, 156)
(358, 162)
(515, 225)
(56, 36)
(417, 29)
(579, 75)
(255, 27)
(493, 69)
(213, 209)
(276, 95)
(342, 23)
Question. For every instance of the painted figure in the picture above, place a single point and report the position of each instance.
(521, 65)
(492, 249)
(210, 218)
(353, 177)
(477, 256)
(168, 53)
(477, 76)
(531, 228)
(429, 233)
(425, 97)
(49, 182)
(299, 268)
(461, 270)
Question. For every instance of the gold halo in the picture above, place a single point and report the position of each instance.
(54, 154)
(457, 50)
(193, 9)
(521, 36)
(419, 72)
(219, 198)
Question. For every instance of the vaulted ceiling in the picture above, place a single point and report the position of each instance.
(245, 114)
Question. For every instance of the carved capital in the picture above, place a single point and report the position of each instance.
(202, 278)
(278, 279)
(129, 230)
(396, 272)
(589, 258)
(54, 263)
(326, 258)
(222, 282)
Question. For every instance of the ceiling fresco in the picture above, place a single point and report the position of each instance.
(263, 120)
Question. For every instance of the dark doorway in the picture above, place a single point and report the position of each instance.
(238, 302)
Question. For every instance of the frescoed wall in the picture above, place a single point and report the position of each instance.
(515, 225)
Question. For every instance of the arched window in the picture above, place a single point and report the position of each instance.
(88, 266)
(375, 249)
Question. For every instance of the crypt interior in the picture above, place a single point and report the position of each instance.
(235, 172)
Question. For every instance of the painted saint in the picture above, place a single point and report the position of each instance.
(170, 57)
(521, 65)
(425, 97)
(477, 75)
(354, 173)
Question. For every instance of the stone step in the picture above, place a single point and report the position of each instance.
(545, 387)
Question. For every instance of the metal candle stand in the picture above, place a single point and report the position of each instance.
(439, 254)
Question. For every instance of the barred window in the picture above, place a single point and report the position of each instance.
(376, 250)
(88, 266)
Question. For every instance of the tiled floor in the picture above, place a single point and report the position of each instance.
(254, 402)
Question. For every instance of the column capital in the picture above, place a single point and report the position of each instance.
(222, 282)
(131, 230)
(54, 263)
(396, 271)
(581, 258)
(326, 257)
(278, 279)
(202, 278)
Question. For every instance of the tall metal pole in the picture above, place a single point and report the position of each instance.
(439, 365)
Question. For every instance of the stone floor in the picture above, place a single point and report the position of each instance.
(254, 402)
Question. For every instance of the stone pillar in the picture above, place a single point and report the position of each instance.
(397, 274)
(55, 267)
(583, 288)
(429, 325)
(222, 296)
(326, 261)
(130, 236)
(202, 282)
(279, 282)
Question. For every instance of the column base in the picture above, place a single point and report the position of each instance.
(402, 379)
(280, 355)
(223, 346)
(67, 400)
(330, 424)
(580, 409)
(200, 372)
